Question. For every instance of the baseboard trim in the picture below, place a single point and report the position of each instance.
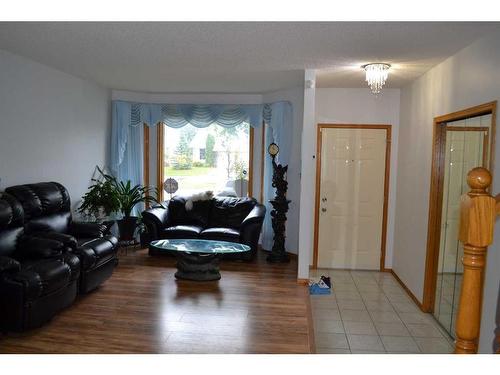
(303, 281)
(407, 290)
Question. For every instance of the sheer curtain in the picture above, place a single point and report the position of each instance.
(278, 119)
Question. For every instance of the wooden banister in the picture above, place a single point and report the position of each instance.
(478, 210)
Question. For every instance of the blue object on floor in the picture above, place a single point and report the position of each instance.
(316, 289)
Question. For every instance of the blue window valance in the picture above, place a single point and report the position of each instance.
(128, 115)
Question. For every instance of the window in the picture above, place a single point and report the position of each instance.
(212, 158)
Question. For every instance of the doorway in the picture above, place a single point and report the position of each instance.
(462, 141)
(352, 182)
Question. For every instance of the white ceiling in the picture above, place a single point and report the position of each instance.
(236, 57)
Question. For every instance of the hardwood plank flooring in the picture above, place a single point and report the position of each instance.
(255, 308)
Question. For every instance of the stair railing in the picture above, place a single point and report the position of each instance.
(478, 211)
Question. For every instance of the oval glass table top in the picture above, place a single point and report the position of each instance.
(200, 246)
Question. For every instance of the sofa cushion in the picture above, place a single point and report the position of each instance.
(182, 231)
(44, 276)
(221, 234)
(198, 215)
(229, 212)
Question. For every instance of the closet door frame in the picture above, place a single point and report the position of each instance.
(436, 190)
(388, 129)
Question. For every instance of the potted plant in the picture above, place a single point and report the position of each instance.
(112, 195)
(128, 197)
(100, 200)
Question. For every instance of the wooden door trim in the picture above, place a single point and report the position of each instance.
(388, 129)
(436, 190)
(145, 166)
(159, 159)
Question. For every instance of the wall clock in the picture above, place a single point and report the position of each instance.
(273, 149)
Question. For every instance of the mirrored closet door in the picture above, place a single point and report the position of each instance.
(467, 145)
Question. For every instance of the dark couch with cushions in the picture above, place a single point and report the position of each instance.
(220, 218)
(38, 277)
(48, 215)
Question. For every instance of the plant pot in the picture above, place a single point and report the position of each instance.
(127, 227)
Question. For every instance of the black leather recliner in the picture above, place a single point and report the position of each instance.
(38, 277)
(220, 218)
(48, 215)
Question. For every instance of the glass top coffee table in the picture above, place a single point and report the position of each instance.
(198, 259)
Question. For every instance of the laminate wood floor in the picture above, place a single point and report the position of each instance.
(255, 308)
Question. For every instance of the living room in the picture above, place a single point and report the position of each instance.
(248, 187)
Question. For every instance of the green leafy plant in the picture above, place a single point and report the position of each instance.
(100, 196)
(129, 196)
(115, 196)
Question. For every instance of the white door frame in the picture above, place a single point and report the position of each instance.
(388, 129)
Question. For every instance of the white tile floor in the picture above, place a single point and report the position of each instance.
(369, 312)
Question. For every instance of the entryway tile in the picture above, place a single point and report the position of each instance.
(405, 307)
(432, 345)
(360, 328)
(331, 340)
(332, 351)
(328, 326)
(378, 306)
(400, 344)
(351, 304)
(424, 330)
(365, 342)
(355, 316)
(369, 312)
(415, 317)
(391, 329)
(384, 316)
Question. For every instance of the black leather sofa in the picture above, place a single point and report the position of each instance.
(220, 218)
(38, 277)
(48, 215)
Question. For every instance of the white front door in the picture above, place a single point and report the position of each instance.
(351, 200)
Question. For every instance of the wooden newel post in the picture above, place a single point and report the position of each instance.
(477, 218)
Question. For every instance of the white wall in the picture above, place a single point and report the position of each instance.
(468, 78)
(307, 176)
(296, 97)
(53, 126)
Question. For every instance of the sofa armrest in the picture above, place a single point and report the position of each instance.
(36, 247)
(155, 219)
(90, 230)
(255, 216)
(68, 240)
(250, 230)
(8, 264)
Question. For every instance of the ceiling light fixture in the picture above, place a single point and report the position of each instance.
(376, 75)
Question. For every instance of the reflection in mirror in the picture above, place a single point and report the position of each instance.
(467, 146)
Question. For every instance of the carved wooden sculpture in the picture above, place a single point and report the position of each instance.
(278, 214)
